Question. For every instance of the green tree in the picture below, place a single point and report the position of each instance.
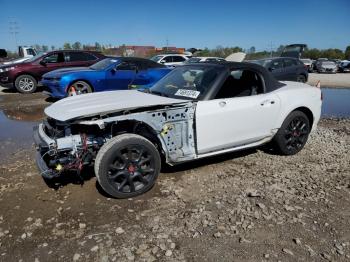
(76, 45)
(44, 48)
(122, 50)
(67, 46)
(37, 47)
(98, 46)
(52, 47)
(347, 52)
(313, 53)
(252, 50)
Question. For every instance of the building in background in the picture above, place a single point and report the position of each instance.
(141, 51)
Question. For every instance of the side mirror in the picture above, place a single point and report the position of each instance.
(135, 69)
(162, 62)
(271, 69)
(42, 62)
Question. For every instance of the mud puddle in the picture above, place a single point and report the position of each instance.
(16, 130)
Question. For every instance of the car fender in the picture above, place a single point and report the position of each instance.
(26, 73)
(297, 95)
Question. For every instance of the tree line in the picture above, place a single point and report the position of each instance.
(219, 51)
(313, 53)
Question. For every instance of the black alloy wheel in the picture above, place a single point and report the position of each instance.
(296, 134)
(293, 134)
(127, 165)
(132, 169)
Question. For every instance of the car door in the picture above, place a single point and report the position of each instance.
(226, 122)
(142, 77)
(290, 67)
(178, 60)
(167, 60)
(121, 76)
(50, 62)
(76, 59)
(277, 69)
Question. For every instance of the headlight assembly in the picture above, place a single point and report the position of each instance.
(6, 69)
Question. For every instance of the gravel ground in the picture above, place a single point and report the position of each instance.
(248, 206)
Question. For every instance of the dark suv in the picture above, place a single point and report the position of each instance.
(25, 76)
(285, 68)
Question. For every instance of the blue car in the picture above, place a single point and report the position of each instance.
(112, 73)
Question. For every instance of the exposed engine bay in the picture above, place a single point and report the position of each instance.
(71, 145)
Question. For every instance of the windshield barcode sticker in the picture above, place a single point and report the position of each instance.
(187, 93)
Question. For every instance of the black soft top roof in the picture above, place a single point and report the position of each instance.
(271, 83)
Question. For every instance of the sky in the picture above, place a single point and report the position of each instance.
(202, 23)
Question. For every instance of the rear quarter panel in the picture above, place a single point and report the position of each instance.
(295, 95)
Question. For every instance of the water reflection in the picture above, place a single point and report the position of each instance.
(336, 102)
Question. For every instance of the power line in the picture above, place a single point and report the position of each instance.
(14, 29)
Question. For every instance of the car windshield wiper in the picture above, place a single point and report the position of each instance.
(158, 93)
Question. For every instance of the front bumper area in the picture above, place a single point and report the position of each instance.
(44, 146)
(58, 154)
(53, 89)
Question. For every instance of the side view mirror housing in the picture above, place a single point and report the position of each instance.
(42, 62)
(135, 69)
(162, 62)
(271, 69)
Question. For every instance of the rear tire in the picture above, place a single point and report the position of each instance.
(127, 165)
(26, 84)
(301, 78)
(293, 134)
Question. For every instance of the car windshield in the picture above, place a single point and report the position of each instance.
(193, 60)
(263, 62)
(306, 60)
(103, 64)
(40, 54)
(328, 63)
(156, 58)
(187, 82)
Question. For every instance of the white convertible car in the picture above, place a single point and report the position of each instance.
(195, 111)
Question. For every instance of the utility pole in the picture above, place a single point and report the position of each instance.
(14, 29)
(167, 44)
(271, 48)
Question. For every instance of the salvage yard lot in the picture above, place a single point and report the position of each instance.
(294, 208)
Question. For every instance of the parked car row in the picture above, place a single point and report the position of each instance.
(325, 65)
(26, 75)
(285, 68)
(108, 74)
(72, 72)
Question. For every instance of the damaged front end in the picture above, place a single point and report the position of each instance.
(64, 146)
(70, 145)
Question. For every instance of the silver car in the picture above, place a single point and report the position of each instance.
(327, 67)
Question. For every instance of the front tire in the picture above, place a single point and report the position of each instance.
(127, 165)
(26, 84)
(293, 134)
(78, 88)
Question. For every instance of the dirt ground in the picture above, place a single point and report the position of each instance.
(248, 206)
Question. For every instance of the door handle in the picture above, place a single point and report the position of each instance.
(267, 102)
(222, 103)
